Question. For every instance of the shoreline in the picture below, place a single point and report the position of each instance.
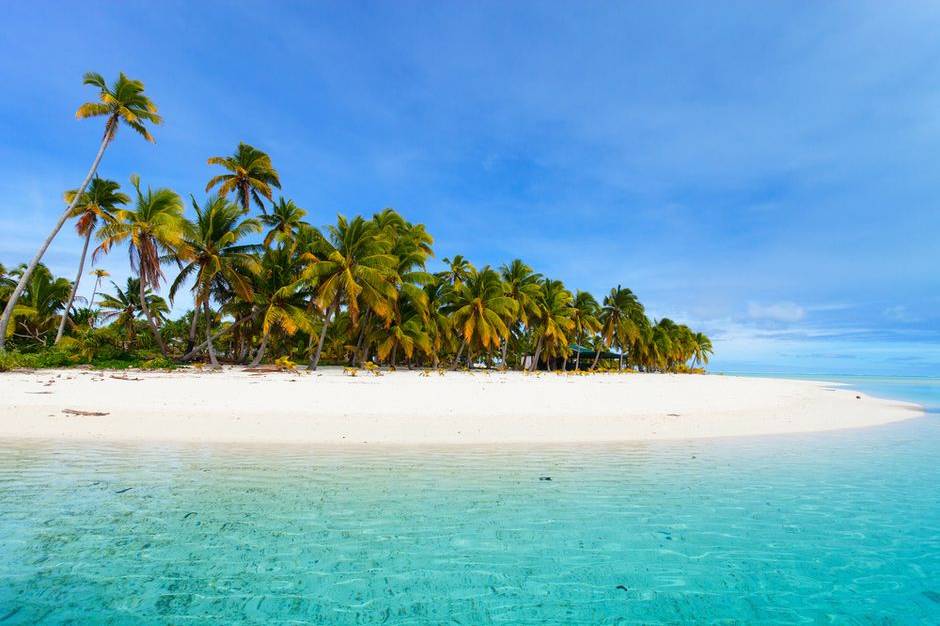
(238, 406)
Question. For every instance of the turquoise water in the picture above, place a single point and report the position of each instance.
(827, 528)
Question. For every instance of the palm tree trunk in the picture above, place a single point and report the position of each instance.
(78, 278)
(193, 327)
(394, 360)
(209, 347)
(597, 357)
(503, 350)
(189, 355)
(538, 353)
(261, 348)
(577, 357)
(91, 305)
(24, 279)
(459, 352)
(362, 335)
(151, 322)
(315, 360)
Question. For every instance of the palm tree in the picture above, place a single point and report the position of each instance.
(585, 313)
(99, 274)
(353, 267)
(251, 176)
(553, 321)
(619, 317)
(42, 303)
(458, 270)
(123, 102)
(154, 226)
(284, 222)
(522, 285)
(280, 295)
(479, 307)
(703, 349)
(99, 201)
(211, 247)
(124, 306)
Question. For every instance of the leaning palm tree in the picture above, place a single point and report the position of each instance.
(216, 259)
(152, 228)
(251, 176)
(122, 102)
(353, 267)
(99, 201)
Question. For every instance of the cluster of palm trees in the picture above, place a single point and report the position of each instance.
(267, 284)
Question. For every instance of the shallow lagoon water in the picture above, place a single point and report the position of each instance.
(833, 527)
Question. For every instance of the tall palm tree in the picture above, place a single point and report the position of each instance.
(123, 102)
(353, 267)
(153, 227)
(619, 317)
(479, 307)
(280, 294)
(251, 176)
(585, 313)
(216, 258)
(99, 201)
(522, 285)
(284, 222)
(124, 306)
(552, 321)
(99, 274)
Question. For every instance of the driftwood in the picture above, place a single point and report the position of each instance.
(124, 377)
(88, 413)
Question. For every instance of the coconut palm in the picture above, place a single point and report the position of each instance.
(153, 228)
(585, 312)
(284, 222)
(281, 295)
(42, 304)
(99, 202)
(251, 176)
(214, 257)
(123, 307)
(552, 322)
(620, 321)
(458, 270)
(702, 351)
(522, 285)
(99, 274)
(353, 267)
(123, 102)
(479, 307)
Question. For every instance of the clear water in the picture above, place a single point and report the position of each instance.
(826, 528)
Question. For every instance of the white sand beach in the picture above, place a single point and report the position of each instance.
(405, 407)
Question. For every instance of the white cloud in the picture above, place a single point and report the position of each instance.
(778, 311)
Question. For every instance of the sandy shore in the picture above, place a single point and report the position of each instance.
(414, 408)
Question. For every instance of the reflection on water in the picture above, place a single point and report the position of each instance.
(830, 527)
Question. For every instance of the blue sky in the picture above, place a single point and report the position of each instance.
(765, 171)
